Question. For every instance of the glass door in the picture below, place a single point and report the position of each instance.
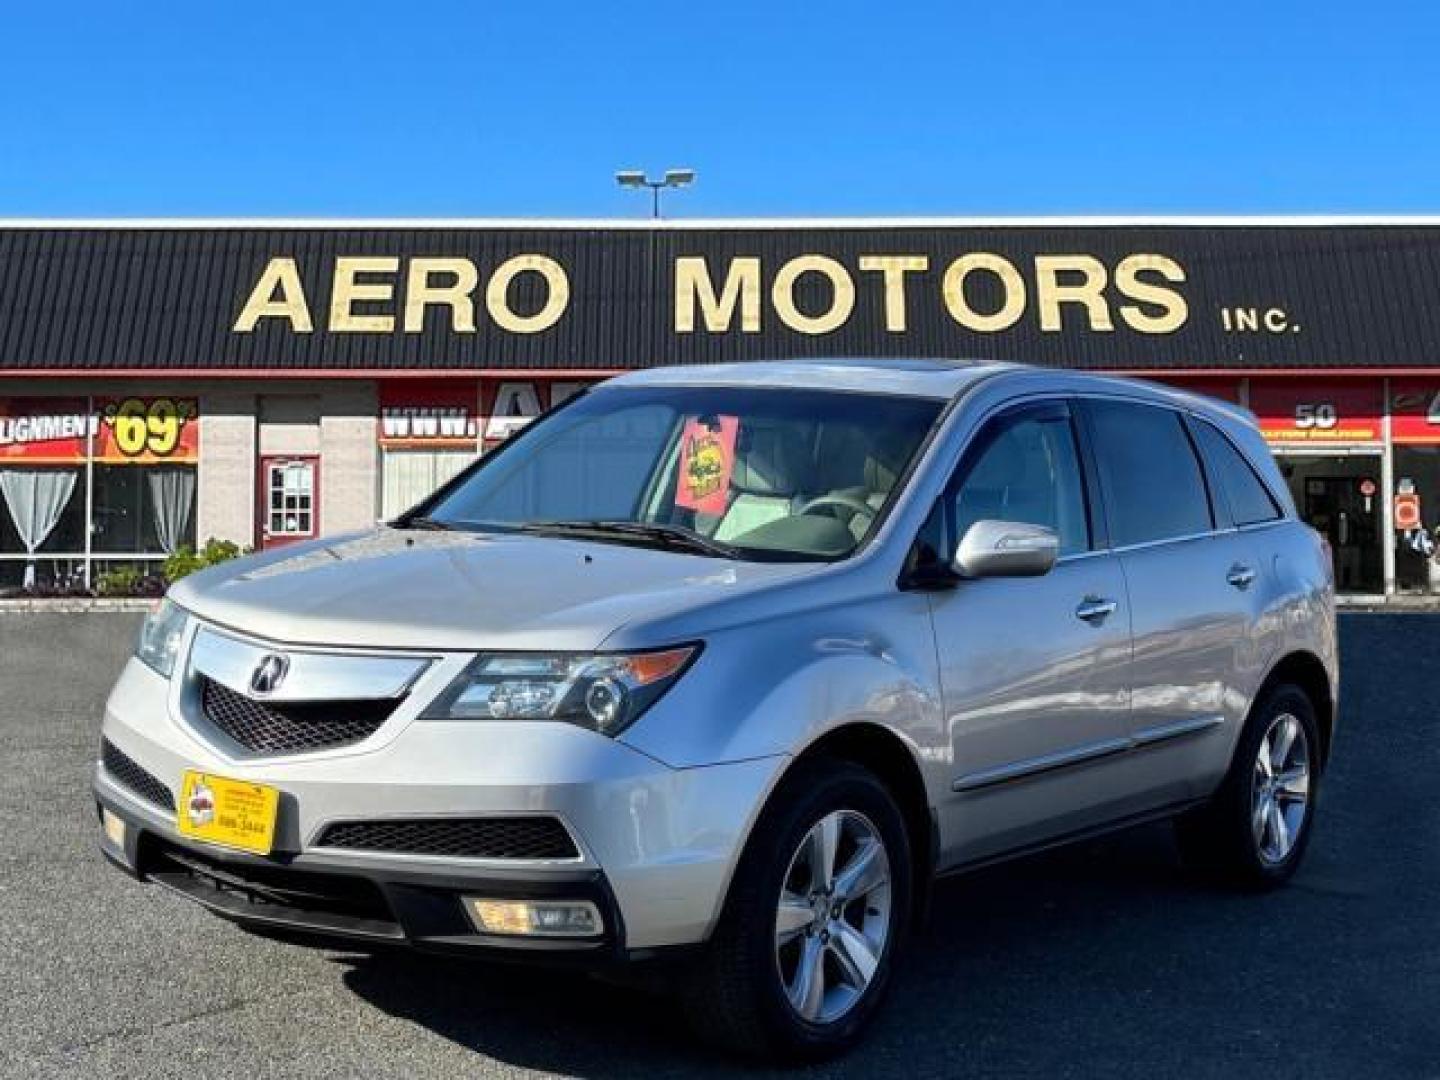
(1339, 495)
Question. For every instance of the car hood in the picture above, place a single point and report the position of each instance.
(411, 589)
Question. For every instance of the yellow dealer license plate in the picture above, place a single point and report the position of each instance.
(231, 813)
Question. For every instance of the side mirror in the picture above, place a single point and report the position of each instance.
(1006, 549)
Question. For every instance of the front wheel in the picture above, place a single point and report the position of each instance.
(1257, 827)
(820, 902)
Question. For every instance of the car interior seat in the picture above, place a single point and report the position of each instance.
(766, 480)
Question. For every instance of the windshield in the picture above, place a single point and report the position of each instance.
(738, 471)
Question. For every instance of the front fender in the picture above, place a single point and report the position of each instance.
(775, 687)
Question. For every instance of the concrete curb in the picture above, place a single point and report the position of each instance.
(1394, 605)
(76, 605)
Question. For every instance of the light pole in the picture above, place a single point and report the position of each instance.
(673, 178)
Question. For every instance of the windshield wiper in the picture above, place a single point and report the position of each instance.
(671, 536)
(427, 523)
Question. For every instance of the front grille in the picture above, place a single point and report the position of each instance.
(133, 777)
(457, 838)
(287, 727)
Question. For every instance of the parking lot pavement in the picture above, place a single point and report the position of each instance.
(1103, 960)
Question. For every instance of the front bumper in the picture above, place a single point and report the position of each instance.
(338, 899)
(656, 845)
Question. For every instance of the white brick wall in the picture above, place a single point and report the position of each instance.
(349, 457)
(226, 496)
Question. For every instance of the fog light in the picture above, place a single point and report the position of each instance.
(114, 826)
(535, 918)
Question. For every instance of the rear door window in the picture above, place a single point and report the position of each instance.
(1153, 485)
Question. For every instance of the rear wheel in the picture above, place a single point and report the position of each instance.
(802, 957)
(1257, 827)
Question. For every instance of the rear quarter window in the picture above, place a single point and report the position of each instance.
(1249, 499)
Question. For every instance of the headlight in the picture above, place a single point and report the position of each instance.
(603, 692)
(160, 637)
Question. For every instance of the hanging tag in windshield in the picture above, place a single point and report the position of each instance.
(707, 460)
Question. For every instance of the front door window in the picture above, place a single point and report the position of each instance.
(287, 504)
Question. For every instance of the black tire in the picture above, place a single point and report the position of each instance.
(1219, 838)
(734, 995)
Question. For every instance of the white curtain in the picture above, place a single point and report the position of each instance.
(36, 498)
(410, 475)
(172, 494)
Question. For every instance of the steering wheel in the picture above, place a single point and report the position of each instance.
(853, 503)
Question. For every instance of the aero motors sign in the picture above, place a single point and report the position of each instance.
(812, 294)
(1322, 411)
(581, 300)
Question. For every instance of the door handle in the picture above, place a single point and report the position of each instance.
(1241, 576)
(1094, 608)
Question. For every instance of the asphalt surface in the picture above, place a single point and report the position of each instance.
(1103, 960)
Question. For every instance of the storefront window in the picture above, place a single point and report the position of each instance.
(42, 515)
(411, 475)
(64, 573)
(1328, 436)
(129, 462)
(429, 431)
(143, 509)
(1417, 519)
(1415, 429)
(1338, 496)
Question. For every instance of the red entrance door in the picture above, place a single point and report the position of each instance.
(289, 499)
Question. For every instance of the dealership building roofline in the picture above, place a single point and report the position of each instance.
(663, 224)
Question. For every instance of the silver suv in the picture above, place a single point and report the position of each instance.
(723, 665)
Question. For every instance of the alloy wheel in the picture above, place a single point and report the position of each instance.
(832, 920)
(1280, 790)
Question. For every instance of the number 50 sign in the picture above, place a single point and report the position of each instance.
(1322, 415)
(138, 430)
(1331, 411)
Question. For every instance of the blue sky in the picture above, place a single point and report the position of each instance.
(830, 107)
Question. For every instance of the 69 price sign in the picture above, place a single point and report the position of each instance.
(136, 430)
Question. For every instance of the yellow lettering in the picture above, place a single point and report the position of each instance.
(842, 294)
(895, 267)
(497, 294)
(694, 286)
(958, 304)
(347, 292)
(282, 276)
(1173, 310)
(422, 292)
(1089, 293)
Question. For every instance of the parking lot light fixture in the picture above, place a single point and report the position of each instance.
(672, 178)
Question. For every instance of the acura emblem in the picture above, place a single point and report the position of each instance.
(269, 673)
